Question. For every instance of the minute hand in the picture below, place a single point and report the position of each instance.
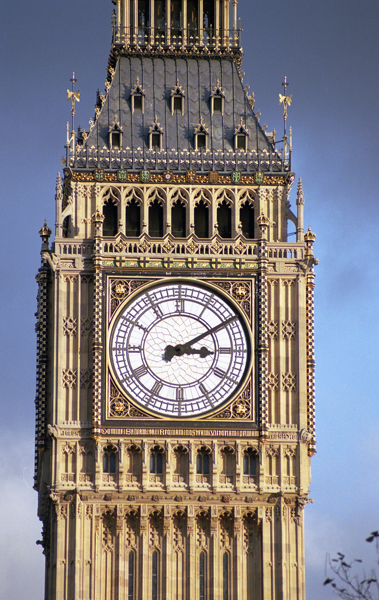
(210, 331)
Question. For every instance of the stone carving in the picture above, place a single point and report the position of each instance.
(86, 326)
(288, 330)
(288, 382)
(273, 381)
(85, 378)
(273, 329)
(69, 378)
(70, 326)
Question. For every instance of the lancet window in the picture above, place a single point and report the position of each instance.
(201, 217)
(224, 219)
(247, 220)
(110, 212)
(131, 575)
(133, 218)
(202, 588)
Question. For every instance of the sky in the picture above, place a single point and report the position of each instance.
(329, 51)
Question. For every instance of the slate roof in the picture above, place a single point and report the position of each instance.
(158, 76)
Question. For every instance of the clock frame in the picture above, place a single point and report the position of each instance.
(135, 390)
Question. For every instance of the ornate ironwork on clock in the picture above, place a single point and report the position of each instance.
(180, 348)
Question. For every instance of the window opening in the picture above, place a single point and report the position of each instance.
(201, 141)
(133, 219)
(202, 463)
(155, 140)
(156, 462)
(224, 220)
(202, 220)
(247, 220)
(109, 462)
(131, 576)
(202, 575)
(155, 219)
(143, 18)
(110, 218)
(217, 104)
(192, 17)
(176, 18)
(66, 227)
(250, 463)
(116, 140)
(208, 19)
(241, 142)
(178, 103)
(137, 102)
(225, 576)
(160, 19)
(178, 220)
(154, 576)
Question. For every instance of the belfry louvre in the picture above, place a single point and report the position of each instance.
(175, 351)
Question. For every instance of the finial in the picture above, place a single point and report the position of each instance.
(45, 233)
(300, 193)
(74, 97)
(286, 101)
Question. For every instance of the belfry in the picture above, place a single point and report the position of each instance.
(175, 330)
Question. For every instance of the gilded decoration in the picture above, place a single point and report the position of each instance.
(240, 291)
(241, 407)
(121, 289)
(188, 177)
(120, 407)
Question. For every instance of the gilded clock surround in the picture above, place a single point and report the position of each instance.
(121, 290)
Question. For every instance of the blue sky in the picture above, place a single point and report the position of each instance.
(329, 51)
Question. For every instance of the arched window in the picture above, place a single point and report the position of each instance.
(247, 220)
(202, 576)
(224, 220)
(66, 227)
(143, 17)
(156, 219)
(110, 218)
(203, 461)
(178, 219)
(133, 218)
(156, 460)
(109, 461)
(202, 220)
(250, 462)
(181, 464)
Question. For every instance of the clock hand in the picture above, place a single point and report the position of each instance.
(181, 349)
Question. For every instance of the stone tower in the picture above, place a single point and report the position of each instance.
(175, 363)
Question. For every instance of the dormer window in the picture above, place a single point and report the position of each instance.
(177, 99)
(217, 99)
(201, 135)
(241, 135)
(137, 97)
(115, 135)
(155, 135)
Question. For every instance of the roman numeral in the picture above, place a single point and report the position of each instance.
(219, 373)
(140, 371)
(134, 348)
(179, 394)
(225, 350)
(156, 387)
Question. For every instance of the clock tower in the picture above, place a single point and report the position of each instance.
(175, 355)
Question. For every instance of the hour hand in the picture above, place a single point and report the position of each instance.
(181, 349)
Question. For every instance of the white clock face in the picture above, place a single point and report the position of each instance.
(179, 349)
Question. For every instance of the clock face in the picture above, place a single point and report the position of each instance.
(179, 349)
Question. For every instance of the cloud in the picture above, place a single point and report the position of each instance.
(22, 562)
